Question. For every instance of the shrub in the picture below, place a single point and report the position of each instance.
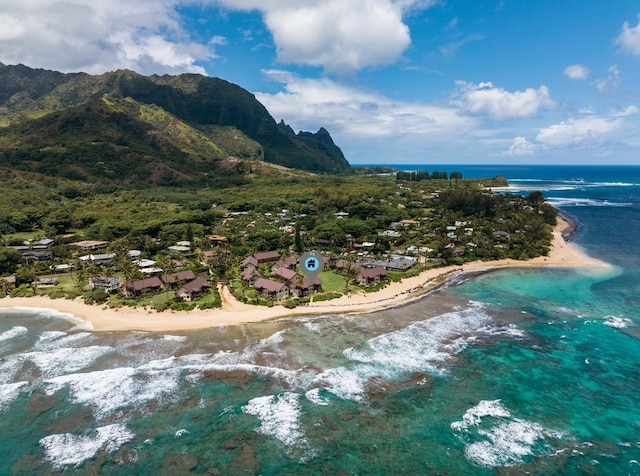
(374, 288)
(326, 297)
(22, 291)
(182, 306)
(97, 296)
(161, 306)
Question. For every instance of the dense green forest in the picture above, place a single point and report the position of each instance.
(441, 221)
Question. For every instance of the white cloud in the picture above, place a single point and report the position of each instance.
(629, 39)
(362, 121)
(628, 111)
(577, 72)
(521, 147)
(484, 99)
(341, 36)
(590, 130)
(96, 36)
(612, 81)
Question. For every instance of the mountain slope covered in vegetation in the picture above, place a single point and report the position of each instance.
(190, 123)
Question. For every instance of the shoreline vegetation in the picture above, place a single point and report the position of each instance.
(233, 312)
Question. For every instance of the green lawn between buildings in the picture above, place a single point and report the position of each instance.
(332, 282)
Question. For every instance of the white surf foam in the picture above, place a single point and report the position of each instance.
(473, 416)
(508, 443)
(503, 440)
(52, 340)
(279, 417)
(348, 384)
(49, 313)
(48, 336)
(426, 345)
(9, 392)
(65, 360)
(113, 390)
(617, 322)
(223, 361)
(67, 449)
(314, 397)
(270, 345)
(174, 338)
(12, 333)
(9, 368)
(585, 202)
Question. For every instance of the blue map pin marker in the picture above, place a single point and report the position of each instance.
(311, 264)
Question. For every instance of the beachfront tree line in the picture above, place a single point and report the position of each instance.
(420, 175)
(276, 212)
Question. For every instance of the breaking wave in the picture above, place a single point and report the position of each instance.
(279, 417)
(494, 438)
(585, 202)
(68, 449)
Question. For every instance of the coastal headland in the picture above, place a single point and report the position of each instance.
(233, 312)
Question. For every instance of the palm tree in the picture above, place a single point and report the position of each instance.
(350, 273)
(124, 264)
(78, 274)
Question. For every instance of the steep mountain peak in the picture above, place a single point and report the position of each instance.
(196, 100)
(286, 127)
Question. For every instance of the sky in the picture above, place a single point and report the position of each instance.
(393, 81)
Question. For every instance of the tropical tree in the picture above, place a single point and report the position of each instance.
(351, 271)
(9, 260)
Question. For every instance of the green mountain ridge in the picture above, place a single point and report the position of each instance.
(185, 119)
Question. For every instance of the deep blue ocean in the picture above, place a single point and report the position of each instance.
(522, 371)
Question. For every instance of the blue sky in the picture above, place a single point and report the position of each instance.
(394, 81)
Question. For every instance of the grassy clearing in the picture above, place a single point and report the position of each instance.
(332, 282)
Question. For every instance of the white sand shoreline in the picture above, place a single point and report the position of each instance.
(234, 312)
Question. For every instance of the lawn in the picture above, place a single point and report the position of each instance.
(161, 299)
(332, 282)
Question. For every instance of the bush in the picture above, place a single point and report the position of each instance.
(183, 306)
(73, 293)
(161, 306)
(57, 294)
(97, 296)
(326, 297)
(374, 288)
(22, 291)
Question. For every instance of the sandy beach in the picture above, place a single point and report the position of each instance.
(234, 312)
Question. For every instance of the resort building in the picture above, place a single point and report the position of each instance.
(271, 289)
(109, 284)
(193, 289)
(371, 276)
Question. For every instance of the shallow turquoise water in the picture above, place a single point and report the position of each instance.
(513, 371)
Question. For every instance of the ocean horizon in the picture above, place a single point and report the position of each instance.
(517, 371)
